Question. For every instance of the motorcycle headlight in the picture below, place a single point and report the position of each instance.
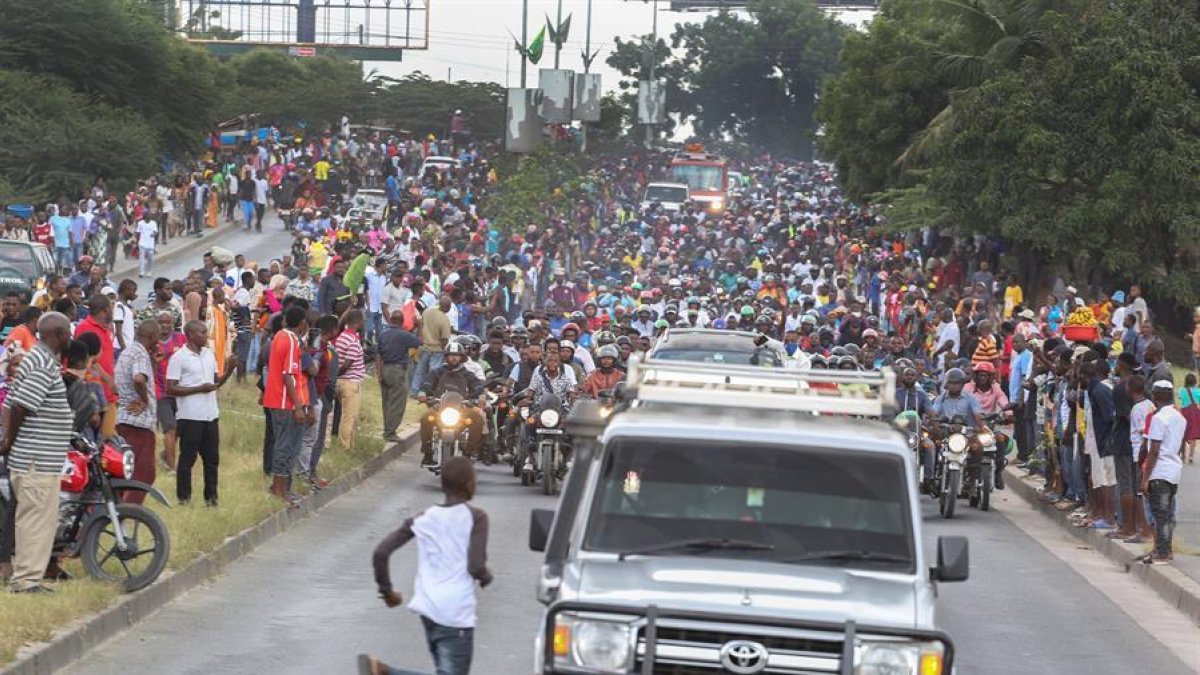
(450, 417)
(957, 443)
(524, 412)
(600, 645)
(986, 439)
(898, 658)
(127, 460)
(549, 418)
(716, 205)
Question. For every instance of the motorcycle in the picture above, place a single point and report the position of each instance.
(909, 423)
(450, 437)
(950, 459)
(987, 447)
(548, 455)
(126, 544)
(495, 444)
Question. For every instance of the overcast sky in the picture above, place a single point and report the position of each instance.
(471, 37)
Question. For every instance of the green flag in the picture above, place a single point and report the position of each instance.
(534, 51)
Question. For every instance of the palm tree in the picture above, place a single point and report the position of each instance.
(1001, 35)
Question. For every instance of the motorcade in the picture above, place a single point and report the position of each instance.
(737, 519)
(706, 175)
(671, 196)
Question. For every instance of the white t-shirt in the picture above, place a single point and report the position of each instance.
(147, 233)
(1168, 428)
(1137, 424)
(164, 195)
(444, 591)
(191, 370)
(948, 332)
(124, 314)
(261, 188)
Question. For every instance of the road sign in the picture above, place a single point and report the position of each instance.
(523, 126)
(302, 51)
(557, 96)
(652, 102)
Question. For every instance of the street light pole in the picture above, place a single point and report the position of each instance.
(524, 37)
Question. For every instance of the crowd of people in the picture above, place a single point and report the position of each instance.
(437, 294)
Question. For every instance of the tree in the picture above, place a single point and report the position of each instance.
(55, 142)
(423, 105)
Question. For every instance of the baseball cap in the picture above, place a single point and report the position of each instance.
(1165, 385)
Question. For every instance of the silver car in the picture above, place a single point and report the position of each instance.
(768, 533)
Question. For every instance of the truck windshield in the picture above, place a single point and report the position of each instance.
(781, 504)
(699, 176)
(666, 194)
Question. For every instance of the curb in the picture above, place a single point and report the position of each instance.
(72, 643)
(1178, 589)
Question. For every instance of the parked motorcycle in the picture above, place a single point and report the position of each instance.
(126, 544)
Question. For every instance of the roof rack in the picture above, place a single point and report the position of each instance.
(825, 392)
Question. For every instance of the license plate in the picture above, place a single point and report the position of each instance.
(556, 432)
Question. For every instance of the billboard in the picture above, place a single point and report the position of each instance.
(522, 126)
(652, 102)
(587, 97)
(557, 99)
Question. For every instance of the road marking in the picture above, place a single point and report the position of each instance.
(1158, 618)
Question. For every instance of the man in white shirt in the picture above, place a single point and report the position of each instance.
(1163, 468)
(123, 314)
(192, 380)
(948, 337)
(376, 278)
(147, 232)
(394, 294)
(261, 189)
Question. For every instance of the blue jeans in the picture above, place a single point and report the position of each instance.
(62, 258)
(450, 648)
(1162, 507)
(374, 325)
(248, 212)
(1072, 470)
(426, 362)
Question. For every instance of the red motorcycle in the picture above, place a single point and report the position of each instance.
(126, 544)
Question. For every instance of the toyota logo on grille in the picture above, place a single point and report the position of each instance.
(743, 657)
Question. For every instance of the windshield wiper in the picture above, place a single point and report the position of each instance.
(849, 556)
(707, 544)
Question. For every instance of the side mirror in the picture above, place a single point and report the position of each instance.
(540, 521)
(954, 562)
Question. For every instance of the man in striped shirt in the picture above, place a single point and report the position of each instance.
(36, 441)
(351, 372)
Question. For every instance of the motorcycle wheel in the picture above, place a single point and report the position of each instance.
(549, 474)
(949, 497)
(985, 488)
(973, 491)
(149, 547)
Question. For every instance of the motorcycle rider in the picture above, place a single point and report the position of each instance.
(606, 375)
(496, 361)
(452, 376)
(992, 401)
(910, 396)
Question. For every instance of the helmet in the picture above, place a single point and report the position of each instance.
(499, 322)
(956, 376)
(568, 327)
(607, 351)
(985, 367)
(693, 300)
(662, 323)
(455, 348)
(472, 341)
(747, 310)
(566, 344)
(762, 318)
(578, 317)
(605, 338)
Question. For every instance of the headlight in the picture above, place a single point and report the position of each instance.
(716, 205)
(898, 658)
(957, 443)
(127, 460)
(912, 441)
(986, 439)
(549, 418)
(450, 417)
(601, 645)
(525, 412)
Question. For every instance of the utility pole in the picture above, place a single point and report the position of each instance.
(524, 37)
(587, 66)
(653, 58)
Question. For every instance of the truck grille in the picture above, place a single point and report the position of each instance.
(695, 648)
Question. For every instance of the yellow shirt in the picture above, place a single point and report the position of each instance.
(1013, 296)
(321, 170)
(317, 255)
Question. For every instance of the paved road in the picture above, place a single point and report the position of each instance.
(305, 602)
(272, 242)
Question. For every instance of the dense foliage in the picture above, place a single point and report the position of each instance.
(751, 78)
(1067, 127)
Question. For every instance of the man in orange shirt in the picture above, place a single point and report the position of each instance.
(24, 336)
(286, 396)
(100, 313)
